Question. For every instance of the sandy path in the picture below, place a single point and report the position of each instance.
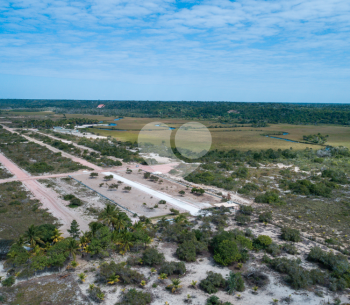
(162, 196)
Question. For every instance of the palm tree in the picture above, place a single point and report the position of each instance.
(175, 285)
(32, 236)
(94, 227)
(138, 226)
(113, 279)
(20, 241)
(120, 221)
(56, 237)
(125, 241)
(108, 215)
(72, 248)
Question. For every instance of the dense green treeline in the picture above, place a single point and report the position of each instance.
(226, 112)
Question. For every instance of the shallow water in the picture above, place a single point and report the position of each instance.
(282, 139)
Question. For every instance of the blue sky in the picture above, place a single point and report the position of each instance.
(244, 50)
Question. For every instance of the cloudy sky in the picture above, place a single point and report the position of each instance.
(244, 50)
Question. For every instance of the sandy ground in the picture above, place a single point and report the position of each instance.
(172, 188)
(196, 271)
(132, 200)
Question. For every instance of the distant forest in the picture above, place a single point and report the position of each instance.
(223, 112)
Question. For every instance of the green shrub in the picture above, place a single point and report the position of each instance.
(290, 248)
(9, 281)
(246, 209)
(234, 283)
(68, 197)
(75, 202)
(187, 251)
(227, 253)
(265, 217)
(126, 275)
(212, 282)
(134, 297)
(15, 202)
(151, 257)
(213, 300)
(290, 234)
(268, 197)
(264, 240)
(242, 219)
(273, 249)
(247, 188)
(170, 268)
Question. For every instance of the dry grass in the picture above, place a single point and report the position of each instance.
(52, 289)
(18, 211)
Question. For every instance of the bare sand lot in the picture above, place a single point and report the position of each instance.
(173, 189)
(135, 200)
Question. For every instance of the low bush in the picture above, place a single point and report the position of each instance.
(263, 240)
(246, 209)
(214, 300)
(290, 249)
(135, 297)
(268, 197)
(234, 282)
(273, 249)
(265, 217)
(212, 282)
(75, 202)
(242, 219)
(68, 197)
(290, 234)
(126, 275)
(187, 251)
(152, 257)
(9, 281)
(96, 294)
(170, 268)
(227, 253)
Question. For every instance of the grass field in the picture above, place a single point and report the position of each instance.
(242, 138)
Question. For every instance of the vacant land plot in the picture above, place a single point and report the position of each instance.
(18, 211)
(90, 202)
(33, 157)
(4, 173)
(135, 200)
(52, 289)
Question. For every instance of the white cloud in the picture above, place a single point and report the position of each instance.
(157, 41)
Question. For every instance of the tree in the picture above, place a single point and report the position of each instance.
(56, 237)
(108, 215)
(127, 188)
(32, 236)
(72, 248)
(187, 251)
(182, 193)
(109, 177)
(227, 253)
(93, 175)
(74, 229)
(113, 279)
